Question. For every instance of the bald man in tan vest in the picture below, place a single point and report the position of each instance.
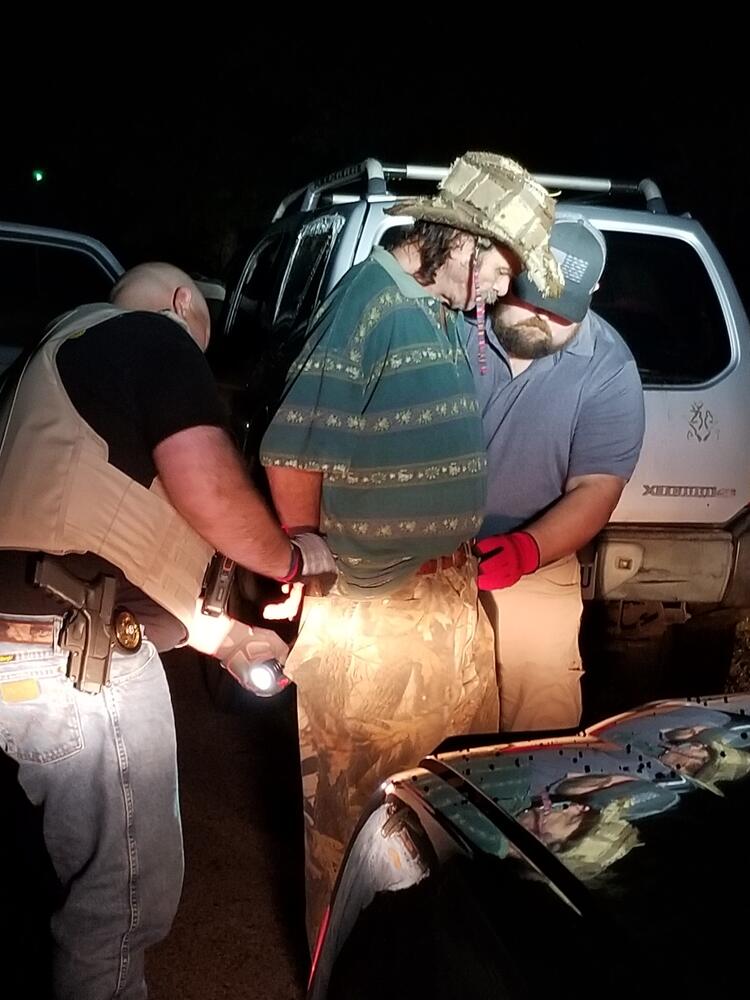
(118, 477)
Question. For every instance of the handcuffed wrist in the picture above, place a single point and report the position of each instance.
(295, 565)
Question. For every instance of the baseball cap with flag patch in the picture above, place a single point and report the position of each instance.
(581, 252)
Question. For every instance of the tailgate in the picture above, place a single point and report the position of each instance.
(653, 564)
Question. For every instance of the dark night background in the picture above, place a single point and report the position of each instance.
(178, 148)
(177, 151)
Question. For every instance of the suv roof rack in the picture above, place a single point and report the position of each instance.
(375, 176)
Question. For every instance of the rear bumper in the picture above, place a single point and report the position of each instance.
(647, 563)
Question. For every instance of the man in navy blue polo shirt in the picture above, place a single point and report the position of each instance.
(562, 408)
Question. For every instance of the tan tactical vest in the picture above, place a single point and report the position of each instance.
(59, 493)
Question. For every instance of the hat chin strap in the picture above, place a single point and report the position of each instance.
(481, 313)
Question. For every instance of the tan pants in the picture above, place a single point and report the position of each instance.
(536, 623)
(380, 682)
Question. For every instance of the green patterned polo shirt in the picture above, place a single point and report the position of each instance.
(382, 402)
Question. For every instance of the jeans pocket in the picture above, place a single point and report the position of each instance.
(39, 719)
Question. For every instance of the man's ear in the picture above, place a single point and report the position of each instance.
(181, 301)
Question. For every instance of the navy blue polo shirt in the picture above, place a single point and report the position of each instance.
(574, 413)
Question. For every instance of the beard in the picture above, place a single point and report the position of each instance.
(490, 297)
(527, 340)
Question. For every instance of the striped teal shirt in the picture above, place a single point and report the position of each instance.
(382, 402)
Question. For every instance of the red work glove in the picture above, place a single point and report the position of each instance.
(504, 559)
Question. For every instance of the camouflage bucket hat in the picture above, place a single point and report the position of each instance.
(493, 196)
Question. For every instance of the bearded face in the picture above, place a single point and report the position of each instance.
(529, 333)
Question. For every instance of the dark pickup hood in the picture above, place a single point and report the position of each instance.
(614, 860)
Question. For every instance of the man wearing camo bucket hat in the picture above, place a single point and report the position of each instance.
(378, 445)
(494, 198)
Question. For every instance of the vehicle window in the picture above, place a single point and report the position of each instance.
(237, 353)
(267, 324)
(657, 294)
(37, 284)
(251, 308)
(304, 277)
(659, 297)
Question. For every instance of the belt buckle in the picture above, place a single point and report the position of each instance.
(126, 630)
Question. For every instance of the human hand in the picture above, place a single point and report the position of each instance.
(504, 559)
(288, 608)
(317, 558)
(225, 638)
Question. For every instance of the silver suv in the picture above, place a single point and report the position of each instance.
(676, 549)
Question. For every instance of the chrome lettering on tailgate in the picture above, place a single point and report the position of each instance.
(688, 492)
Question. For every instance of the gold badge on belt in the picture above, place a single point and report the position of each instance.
(127, 631)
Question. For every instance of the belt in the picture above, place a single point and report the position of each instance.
(126, 630)
(29, 630)
(455, 559)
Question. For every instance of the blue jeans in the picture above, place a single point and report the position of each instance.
(103, 769)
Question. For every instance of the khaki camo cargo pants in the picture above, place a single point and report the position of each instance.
(380, 682)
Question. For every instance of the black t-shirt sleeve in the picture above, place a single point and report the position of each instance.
(136, 380)
(175, 389)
